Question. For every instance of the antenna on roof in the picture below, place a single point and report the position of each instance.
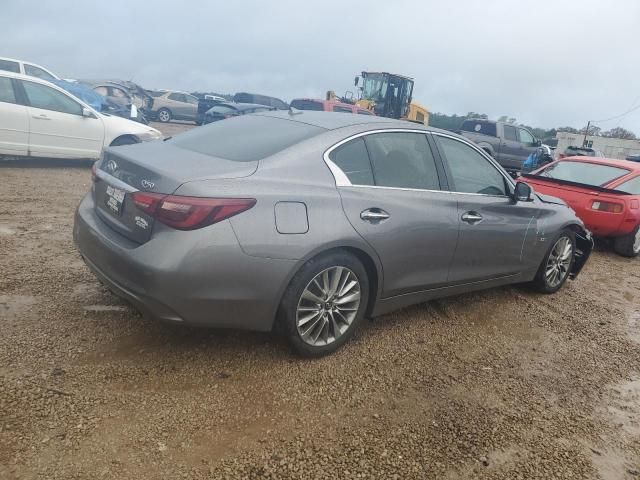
(294, 111)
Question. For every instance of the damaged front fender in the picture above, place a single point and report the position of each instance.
(584, 246)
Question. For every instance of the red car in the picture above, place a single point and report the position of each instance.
(604, 192)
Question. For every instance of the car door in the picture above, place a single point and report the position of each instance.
(390, 189)
(57, 125)
(495, 232)
(191, 107)
(528, 144)
(176, 103)
(510, 149)
(14, 121)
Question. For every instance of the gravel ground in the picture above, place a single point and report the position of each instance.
(503, 384)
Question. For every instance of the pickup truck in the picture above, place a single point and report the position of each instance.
(509, 144)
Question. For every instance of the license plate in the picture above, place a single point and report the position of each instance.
(114, 199)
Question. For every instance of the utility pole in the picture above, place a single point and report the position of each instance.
(584, 141)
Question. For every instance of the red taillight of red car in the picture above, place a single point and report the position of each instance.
(189, 213)
(608, 207)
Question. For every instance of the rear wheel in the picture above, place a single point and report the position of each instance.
(164, 115)
(557, 263)
(324, 304)
(628, 245)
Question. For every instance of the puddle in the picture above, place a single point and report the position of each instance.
(624, 407)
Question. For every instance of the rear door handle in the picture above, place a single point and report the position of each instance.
(41, 117)
(374, 215)
(471, 217)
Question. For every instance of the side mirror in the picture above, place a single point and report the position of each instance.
(523, 192)
(538, 143)
(356, 81)
(87, 113)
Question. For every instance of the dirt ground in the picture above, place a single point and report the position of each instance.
(503, 384)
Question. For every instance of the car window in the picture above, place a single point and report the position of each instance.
(402, 160)
(353, 160)
(221, 109)
(116, 92)
(155, 94)
(245, 138)
(594, 174)
(631, 186)
(9, 66)
(307, 105)
(37, 72)
(191, 99)
(7, 94)
(470, 171)
(510, 133)
(478, 126)
(338, 108)
(41, 96)
(104, 91)
(178, 97)
(525, 137)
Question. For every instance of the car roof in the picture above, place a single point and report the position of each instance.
(612, 162)
(335, 120)
(21, 76)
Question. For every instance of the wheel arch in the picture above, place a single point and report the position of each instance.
(123, 137)
(369, 261)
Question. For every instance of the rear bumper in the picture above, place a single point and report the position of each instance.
(201, 277)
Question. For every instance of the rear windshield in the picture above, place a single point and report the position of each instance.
(245, 138)
(577, 151)
(307, 105)
(484, 128)
(586, 173)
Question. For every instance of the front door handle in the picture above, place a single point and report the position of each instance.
(471, 217)
(41, 117)
(374, 215)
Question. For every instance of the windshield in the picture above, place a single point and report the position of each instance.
(374, 87)
(586, 173)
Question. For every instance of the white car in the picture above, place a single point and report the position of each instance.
(39, 119)
(26, 68)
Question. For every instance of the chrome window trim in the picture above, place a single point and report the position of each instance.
(342, 180)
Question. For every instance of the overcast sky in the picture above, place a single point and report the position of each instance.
(547, 63)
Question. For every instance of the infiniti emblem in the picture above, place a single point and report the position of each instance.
(147, 185)
(111, 166)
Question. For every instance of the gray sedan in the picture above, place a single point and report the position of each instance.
(313, 221)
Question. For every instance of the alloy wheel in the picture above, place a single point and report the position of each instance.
(558, 262)
(328, 305)
(164, 116)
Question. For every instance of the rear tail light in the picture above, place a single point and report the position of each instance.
(607, 207)
(189, 213)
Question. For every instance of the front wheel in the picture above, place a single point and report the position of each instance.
(324, 303)
(557, 263)
(628, 245)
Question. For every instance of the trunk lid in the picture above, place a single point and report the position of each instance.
(157, 167)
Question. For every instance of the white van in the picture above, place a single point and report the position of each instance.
(39, 119)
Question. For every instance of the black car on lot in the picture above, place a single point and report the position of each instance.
(229, 109)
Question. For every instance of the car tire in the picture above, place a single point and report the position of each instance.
(124, 140)
(557, 263)
(324, 304)
(164, 115)
(628, 245)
